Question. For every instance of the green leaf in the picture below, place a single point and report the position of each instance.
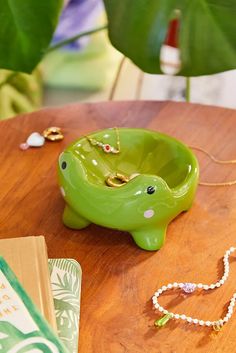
(207, 35)
(61, 305)
(26, 30)
(19, 93)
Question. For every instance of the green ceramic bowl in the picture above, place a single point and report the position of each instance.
(164, 177)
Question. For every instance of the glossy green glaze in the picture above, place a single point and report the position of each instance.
(160, 161)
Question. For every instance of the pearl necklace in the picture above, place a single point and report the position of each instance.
(190, 288)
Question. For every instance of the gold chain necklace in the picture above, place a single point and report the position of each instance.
(119, 179)
(106, 147)
(218, 161)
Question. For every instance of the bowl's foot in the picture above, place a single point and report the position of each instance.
(73, 220)
(149, 239)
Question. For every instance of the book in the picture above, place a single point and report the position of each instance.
(28, 259)
(66, 288)
(22, 327)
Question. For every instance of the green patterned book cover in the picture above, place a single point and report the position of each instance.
(22, 328)
(66, 287)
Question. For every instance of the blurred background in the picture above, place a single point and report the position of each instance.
(89, 69)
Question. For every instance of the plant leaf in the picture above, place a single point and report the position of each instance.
(26, 30)
(207, 39)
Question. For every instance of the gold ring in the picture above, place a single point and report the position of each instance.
(117, 180)
(53, 134)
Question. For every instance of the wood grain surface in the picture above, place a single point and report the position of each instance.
(118, 277)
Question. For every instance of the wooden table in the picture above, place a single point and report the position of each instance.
(118, 277)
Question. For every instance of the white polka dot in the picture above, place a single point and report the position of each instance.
(62, 191)
(149, 214)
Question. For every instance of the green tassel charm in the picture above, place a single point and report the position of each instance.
(162, 321)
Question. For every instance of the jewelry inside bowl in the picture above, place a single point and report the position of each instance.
(134, 180)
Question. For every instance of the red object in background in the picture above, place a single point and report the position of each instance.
(172, 34)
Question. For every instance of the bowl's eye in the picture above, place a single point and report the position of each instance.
(150, 190)
(63, 165)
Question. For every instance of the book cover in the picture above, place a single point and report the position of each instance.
(27, 257)
(22, 328)
(66, 288)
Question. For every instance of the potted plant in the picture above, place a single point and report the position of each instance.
(205, 34)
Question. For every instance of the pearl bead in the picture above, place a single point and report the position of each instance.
(156, 294)
(221, 281)
(212, 286)
(176, 316)
(232, 249)
(205, 286)
(175, 285)
(164, 288)
(189, 319)
(160, 309)
(195, 321)
(181, 285)
(208, 323)
(218, 284)
(201, 322)
(183, 317)
(156, 305)
(199, 285)
(169, 286)
(165, 312)
(229, 315)
(226, 319)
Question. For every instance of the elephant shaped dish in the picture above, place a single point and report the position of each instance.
(160, 177)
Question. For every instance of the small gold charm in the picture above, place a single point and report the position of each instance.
(53, 134)
(217, 327)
